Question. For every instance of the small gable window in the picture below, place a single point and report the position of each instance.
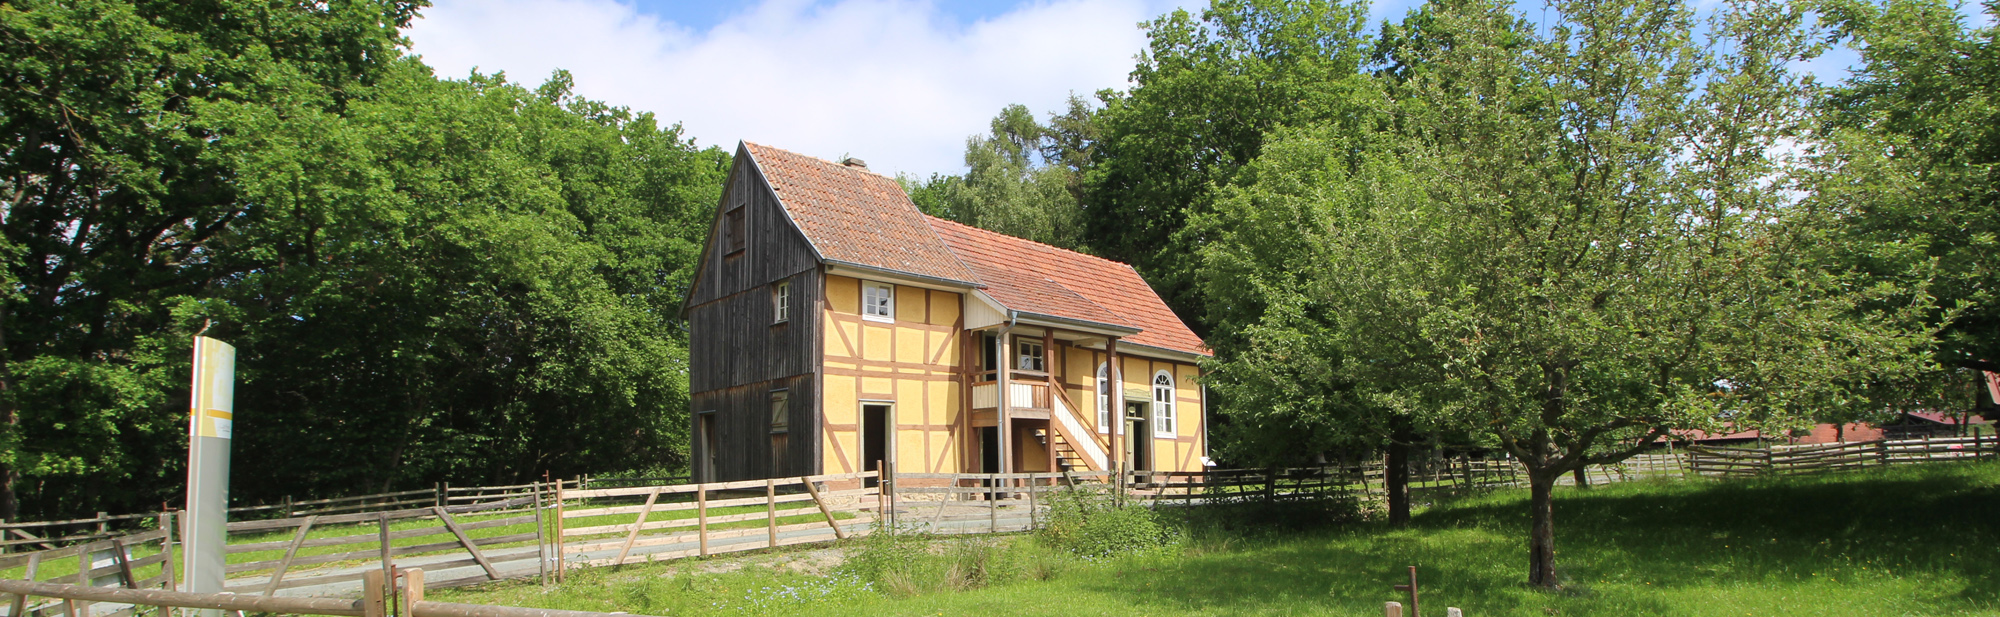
(1163, 405)
(733, 231)
(781, 302)
(878, 301)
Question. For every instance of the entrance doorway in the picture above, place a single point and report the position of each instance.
(874, 437)
(706, 430)
(1140, 435)
(989, 449)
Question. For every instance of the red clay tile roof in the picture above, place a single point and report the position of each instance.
(858, 217)
(1032, 277)
(854, 216)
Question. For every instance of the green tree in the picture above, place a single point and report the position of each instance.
(1914, 161)
(427, 280)
(474, 282)
(119, 120)
(1204, 95)
(1579, 237)
(1022, 178)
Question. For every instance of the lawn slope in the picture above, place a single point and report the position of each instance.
(1915, 540)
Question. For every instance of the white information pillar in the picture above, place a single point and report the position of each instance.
(211, 414)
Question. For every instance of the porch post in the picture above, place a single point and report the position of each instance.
(1002, 375)
(1117, 411)
(1049, 355)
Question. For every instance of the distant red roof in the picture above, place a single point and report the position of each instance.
(1821, 433)
(857, 217)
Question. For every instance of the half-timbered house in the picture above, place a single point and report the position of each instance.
(835, 327)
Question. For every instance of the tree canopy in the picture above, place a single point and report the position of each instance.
(430, 279)
(1572, 238)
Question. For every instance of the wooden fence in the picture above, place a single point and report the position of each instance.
(469, 535)
(637, 524)
(140, 560)
(1725, 461)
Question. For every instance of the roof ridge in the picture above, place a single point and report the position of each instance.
(891, 200)
(1040, 244)
(828, 163)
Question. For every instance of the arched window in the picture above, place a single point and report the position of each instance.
(1163, 404)
(1104, 398)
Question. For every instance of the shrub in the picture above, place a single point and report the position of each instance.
(1093, 524)
(903, 564)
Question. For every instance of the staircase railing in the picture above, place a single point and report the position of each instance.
(1072, 431)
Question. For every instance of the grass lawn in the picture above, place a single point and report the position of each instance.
(1911, 540)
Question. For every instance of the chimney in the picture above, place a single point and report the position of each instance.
(855, 163)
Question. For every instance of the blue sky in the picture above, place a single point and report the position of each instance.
(900, 83)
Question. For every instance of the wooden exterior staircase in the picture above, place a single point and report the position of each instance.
(1067, 432)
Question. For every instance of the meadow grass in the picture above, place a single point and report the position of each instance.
(1911, 540)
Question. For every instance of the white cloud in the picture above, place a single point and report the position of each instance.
(894, 82)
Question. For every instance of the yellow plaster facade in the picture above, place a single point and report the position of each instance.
(910, 364)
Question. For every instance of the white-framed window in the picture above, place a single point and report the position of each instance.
(1028, 356)
(1104, 397)
(878, 301)
(781, 302)
(1163, 404)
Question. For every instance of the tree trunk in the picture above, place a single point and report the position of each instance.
(10, 421)
(1542, 529)
(1396, 479)
(1582, 475)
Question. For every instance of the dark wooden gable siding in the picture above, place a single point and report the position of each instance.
(737, 355)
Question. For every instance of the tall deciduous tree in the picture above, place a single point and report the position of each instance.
(426, 279)
(117, 123)
(1023, 178)
(1914, 159)
(1204, 95)
(1580, 236)
(468, 281)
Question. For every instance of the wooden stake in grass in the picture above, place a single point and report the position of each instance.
(701, 516)
(838, 534)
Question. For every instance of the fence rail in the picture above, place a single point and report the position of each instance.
(470, 535)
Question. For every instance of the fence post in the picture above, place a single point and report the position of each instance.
(1392, 609)
(166, 549)
(541, 538)
(701, 516)
(21, 600)
(388, 556)
(559, 532)
(992, 503)
(771, 510)
(882, 489)
(413, 590)
(373, 600)
(1032, 486)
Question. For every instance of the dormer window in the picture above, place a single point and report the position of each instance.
(878, 301)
